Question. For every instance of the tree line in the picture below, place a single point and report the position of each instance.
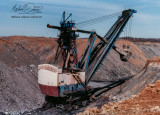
(141, 39)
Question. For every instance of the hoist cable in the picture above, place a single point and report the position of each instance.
(98, 19)
(94, 22)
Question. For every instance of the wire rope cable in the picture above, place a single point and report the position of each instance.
(98, 20)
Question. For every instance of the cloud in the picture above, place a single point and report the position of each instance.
(89, 4)
(146, 18)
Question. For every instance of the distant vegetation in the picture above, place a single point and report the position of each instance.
(141, 39)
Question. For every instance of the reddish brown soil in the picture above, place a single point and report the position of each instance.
(146, 102)
(20, 50)
(36, 50)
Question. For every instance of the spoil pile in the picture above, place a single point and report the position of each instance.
(19, 90)
(20, 50)
(112, 68)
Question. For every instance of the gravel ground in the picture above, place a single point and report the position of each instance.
(19, 90)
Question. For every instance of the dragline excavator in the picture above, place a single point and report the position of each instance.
(67, 85)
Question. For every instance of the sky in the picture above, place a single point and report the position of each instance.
(144, 24)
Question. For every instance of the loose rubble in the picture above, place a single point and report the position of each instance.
(19, 91)
(146, 102)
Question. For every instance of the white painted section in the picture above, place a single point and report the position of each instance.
(65, 79)
(68, 78)
(52, 75)
(46, 77)
(50, 67)
(82, 76)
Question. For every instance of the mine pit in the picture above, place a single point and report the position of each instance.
(20, 93)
